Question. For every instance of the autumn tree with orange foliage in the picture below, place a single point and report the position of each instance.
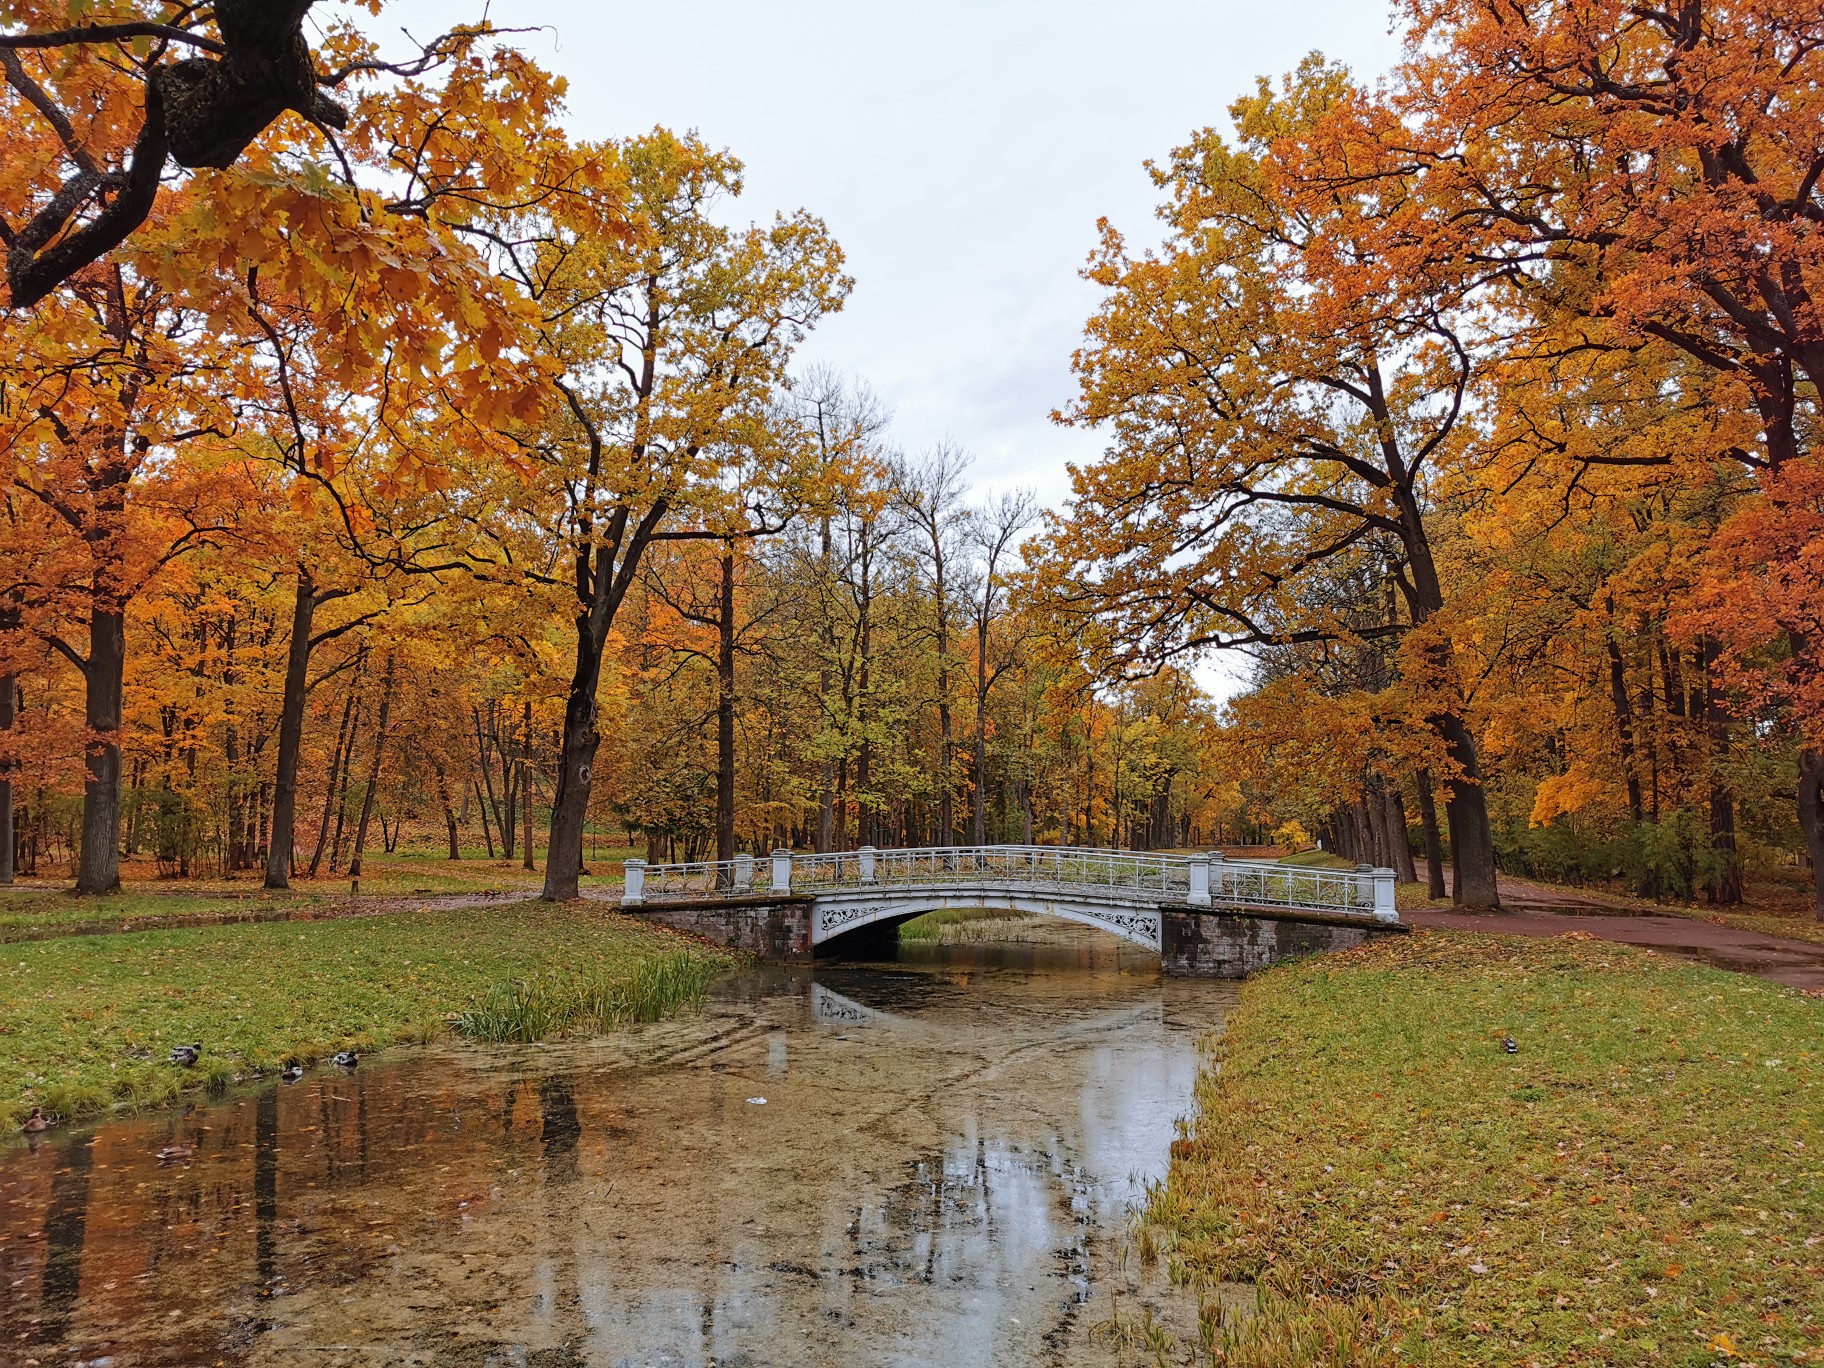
(668, 335)
(1657, 170)
(1280, 401)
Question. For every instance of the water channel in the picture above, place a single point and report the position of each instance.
(933, 1161)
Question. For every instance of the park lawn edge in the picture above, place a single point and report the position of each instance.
(1639, 1184)
(87, 1022)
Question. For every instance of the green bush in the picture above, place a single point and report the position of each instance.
(1669, 858)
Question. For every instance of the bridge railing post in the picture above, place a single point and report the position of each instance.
(782, 871)
(865, 857)
(1200, 881)
(633, 892)
(744, 871)
(1219, 877)
(1385, 907)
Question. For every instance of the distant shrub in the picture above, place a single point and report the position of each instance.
(1292, 836)
(1669, 858)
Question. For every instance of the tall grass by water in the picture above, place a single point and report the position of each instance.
(558, 1004)
(87, 1022)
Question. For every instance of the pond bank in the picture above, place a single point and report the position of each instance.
(87, 1022)
(1636, 1184)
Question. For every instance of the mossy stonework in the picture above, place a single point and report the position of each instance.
(1217, 945)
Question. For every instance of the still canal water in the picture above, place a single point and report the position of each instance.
(935, 1161)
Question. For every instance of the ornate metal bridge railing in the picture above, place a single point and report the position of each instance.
(1115, 875)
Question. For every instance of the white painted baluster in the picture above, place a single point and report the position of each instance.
(1385, 908)
(634, 892)
(866, 856)
(1200, 881)
(782, 871)
(744, 872)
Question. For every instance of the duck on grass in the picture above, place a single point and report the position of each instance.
(142, 1018)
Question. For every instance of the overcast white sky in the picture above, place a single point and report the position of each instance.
(960, 150)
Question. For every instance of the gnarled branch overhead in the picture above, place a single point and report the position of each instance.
(200, 111)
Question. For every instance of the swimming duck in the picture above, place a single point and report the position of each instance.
(185, 1056)
(291, 1073)
(35, 1122)
(172, 1154)
(345, 1059)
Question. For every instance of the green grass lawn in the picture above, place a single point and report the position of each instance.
(1640, 1184)
(47, 902)
(87, 1021)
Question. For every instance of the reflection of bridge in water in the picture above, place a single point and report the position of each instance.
(1204, 914)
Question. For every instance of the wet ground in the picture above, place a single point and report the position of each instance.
(931, 1162)
(1799, 964)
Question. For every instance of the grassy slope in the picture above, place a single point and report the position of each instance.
(86, 1021)
(1639, 1185)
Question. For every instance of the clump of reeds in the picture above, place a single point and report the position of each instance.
(554, 1005)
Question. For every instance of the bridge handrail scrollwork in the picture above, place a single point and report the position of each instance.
(743, 876)
(1123, 876)
(1137, 874)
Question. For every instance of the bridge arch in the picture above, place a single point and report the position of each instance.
(836, 915)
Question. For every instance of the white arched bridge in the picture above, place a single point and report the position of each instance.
(1204, 914)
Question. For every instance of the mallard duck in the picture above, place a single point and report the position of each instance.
(345, 1059)
(185, 1056)
(291, 1073)
(172, 1154)
(35, 1122)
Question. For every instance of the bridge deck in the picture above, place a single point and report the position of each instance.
(1115, 880)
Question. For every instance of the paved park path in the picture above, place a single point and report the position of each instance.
(1539, 910)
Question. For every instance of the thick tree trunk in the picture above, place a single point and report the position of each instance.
(1434, 844)
(1394, 806)
(575, 767)
(1373, 817)
(99, 867)
(9, 694)
(725, 709)
(1811, 817)
(1472, 846)
(291, 734)
(373, 770)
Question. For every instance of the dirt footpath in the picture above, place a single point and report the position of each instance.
(1798, 963)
